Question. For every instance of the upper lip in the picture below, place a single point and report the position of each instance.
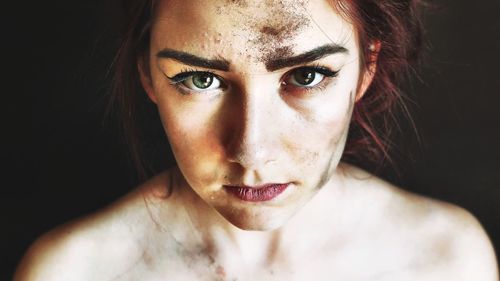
(255, 186)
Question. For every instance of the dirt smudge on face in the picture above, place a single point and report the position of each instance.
(271, 31)
(285, 20)
(269, 26)
(279, 53)
(239, 3)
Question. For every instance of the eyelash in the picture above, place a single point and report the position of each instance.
(320, 69)
(186, 73)
(323, 70)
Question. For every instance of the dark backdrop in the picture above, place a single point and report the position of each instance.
(59, 161)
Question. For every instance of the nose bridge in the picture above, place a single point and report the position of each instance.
(250, 144)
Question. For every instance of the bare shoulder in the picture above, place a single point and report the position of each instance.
(95, 247)
(441, 240)
(454, 239)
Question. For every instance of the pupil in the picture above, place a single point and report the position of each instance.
(305, 77)
(202, 81)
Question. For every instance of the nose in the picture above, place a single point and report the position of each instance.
(252, 135)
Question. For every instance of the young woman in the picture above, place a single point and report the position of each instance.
(260, 101)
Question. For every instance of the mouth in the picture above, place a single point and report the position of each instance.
(260, 193)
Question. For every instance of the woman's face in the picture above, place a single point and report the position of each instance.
(256, 99)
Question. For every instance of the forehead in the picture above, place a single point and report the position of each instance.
(248, 29)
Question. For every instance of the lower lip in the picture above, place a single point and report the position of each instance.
(257, 194)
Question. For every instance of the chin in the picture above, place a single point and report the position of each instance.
(265, 219)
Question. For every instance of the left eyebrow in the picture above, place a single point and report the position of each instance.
(193, 60)
(315, 54)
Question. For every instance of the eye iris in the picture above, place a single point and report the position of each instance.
(304, 76)
(203, 81)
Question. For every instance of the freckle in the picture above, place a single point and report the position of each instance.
(220, 271)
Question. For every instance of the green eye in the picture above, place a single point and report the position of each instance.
(197, 81)
(305, 77)
(201, 81)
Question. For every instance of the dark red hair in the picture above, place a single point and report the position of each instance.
(395, 24)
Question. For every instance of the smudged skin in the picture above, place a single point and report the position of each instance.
(252, 126)
(254, 130)
(265, 33)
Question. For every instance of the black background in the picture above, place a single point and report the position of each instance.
(59, 161)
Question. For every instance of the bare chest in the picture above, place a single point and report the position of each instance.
(204, 268)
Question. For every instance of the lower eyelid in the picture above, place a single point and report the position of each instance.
(186, 91)
(177, 82)
(319, 87)
(180, 88)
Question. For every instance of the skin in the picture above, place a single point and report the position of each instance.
(334, 221)
(255, 131)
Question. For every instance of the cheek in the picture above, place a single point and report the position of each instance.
(317, 150)
(321, 128)
(186, 123)
(325, 119)
(193, 142)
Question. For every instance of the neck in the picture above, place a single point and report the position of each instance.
(322, 218)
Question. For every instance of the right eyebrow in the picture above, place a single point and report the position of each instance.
(279, 62)
(190, 59)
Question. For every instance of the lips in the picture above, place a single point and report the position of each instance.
(257, 193)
